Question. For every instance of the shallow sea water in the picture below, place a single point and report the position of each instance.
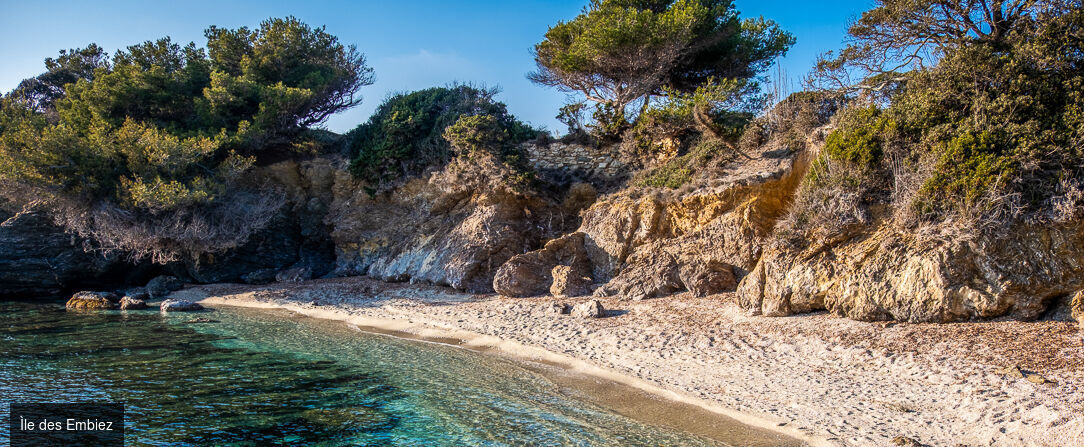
(262, 378)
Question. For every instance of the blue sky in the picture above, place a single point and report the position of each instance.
(411, 44)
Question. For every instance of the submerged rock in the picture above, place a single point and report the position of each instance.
(130, 303)
(92, 300)
(589, 309)
(179, 306)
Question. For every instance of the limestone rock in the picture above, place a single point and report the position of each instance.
(162, 286)
(568, 282)
(887, 274)
(1076, 306)
(708, 278)
(179, 306)
(531, 274)
(588, 309)
(130, 303)
(92, 300)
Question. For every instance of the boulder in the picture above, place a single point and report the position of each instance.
(162, 286)
(92, 300)
(558, 308)
(531, 273)
(179, 306)
(589, 309)
(567, 282)
(708, 278)
(130, 303)
(890, 274)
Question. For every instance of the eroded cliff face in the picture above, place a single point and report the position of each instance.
(641, 244)
(888, 274)
(39, 260)
(454, 227)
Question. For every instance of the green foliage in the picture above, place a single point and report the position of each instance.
(162, 129)
(989, 136)
(860, 140)
(680, 170)
(621, 51)
(407, 132)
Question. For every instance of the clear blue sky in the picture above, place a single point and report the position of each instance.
(411, 44)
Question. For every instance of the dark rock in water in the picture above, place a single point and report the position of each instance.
(163, 285)
(92, 300)
(263, 276)
(201, 320)
(130, 303)
(37, 259)
(294, 274)
(589, 309)
(179, 306)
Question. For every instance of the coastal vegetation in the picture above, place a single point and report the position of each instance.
(142, 151)
(960, 115)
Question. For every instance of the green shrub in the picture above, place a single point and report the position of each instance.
(406, 134)
(162, 131)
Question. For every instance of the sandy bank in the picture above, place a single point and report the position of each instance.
(825, 380)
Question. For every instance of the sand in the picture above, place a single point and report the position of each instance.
(818, 378)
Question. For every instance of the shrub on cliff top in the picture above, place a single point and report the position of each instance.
(158, 135)
(965, 113)
(406, 133)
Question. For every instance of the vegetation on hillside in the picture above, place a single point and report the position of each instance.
(142, 151)
(961, 116)
(410, 132)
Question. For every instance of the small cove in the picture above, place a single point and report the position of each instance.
(273, 377)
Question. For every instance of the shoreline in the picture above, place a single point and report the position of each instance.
(818, 379)
(480, 343)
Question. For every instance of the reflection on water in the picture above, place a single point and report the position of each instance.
(256, 378)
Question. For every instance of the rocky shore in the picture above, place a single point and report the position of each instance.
(820, 378)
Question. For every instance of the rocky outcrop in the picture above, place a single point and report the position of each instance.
(454, 228)
(179, 306)
(39, 260)
(567, 281)
(588, 309)
(1076, 307)
(92, 301)
(887, 274)
(644, 243)
(297, 237)
(531, 273)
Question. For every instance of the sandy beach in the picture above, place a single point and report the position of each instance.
(818, 378)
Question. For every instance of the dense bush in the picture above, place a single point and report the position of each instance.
(406, 135)
(988, 136)
(158, 135)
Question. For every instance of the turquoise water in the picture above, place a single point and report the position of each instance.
(259, 378)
